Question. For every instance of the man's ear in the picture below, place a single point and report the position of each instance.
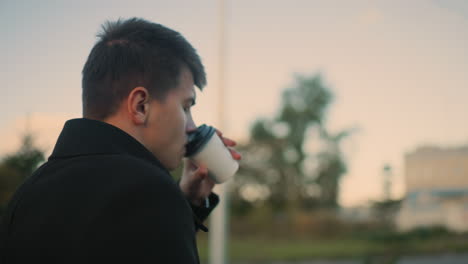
(138, 102)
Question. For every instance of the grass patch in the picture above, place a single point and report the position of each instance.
(266, 250)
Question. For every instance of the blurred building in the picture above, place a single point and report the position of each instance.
(437, 189)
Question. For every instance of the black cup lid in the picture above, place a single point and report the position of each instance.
(198, 138)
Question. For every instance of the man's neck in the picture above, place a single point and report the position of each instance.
(122, 122)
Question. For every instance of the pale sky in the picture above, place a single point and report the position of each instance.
(398, 69)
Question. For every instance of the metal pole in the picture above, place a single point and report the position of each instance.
(387, 182)
(219, 220)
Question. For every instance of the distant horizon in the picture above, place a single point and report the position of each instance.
(47, 144)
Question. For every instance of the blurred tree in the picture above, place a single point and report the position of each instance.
(331, 168)
(14, 168)
(385, 211)
(9, 181)
(274, 167)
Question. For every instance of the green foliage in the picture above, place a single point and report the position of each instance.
(15, 167)
(417, 234)
(9, 181)
(26, 159)
(386, 210)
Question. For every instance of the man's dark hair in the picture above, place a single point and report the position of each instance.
(132, 53)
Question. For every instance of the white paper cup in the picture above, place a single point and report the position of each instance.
(212, 153)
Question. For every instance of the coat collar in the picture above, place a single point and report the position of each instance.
(84, 137)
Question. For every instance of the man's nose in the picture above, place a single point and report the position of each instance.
(190, 126)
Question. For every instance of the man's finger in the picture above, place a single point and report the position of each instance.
(229, 142)
(235, 155)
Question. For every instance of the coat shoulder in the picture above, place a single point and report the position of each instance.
(103, 170)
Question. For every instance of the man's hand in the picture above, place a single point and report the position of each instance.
(195, 183)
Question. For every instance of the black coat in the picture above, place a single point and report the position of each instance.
(101, 197)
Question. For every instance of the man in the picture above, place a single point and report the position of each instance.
(105, 193)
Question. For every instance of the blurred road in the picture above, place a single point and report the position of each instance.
(441, 259)
(438, 259)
